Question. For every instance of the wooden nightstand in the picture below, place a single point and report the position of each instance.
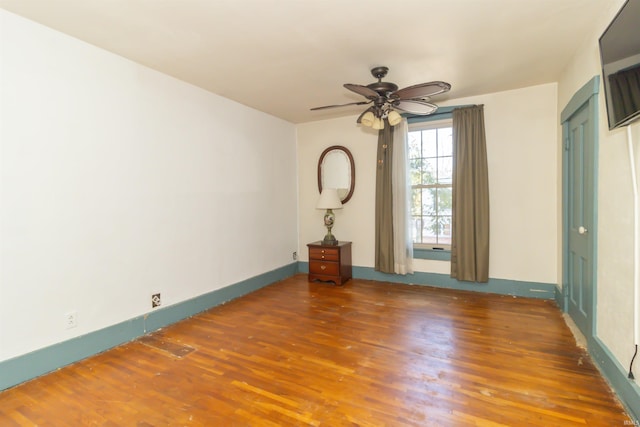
(330, 263)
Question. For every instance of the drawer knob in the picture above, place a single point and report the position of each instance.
(322, 257)
(322, 267)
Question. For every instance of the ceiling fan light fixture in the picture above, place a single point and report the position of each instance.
(394, 118)
(367, 119)
(378, 124)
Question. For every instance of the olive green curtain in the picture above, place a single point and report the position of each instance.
(384, 202)
(470, 212)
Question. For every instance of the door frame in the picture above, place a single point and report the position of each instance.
(587, 96)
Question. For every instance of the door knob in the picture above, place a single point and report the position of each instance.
(582, 230)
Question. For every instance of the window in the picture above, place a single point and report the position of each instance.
(431, 173)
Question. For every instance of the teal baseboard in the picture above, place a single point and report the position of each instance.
(562, 298)
(616, 375)
(494, 286)
(31, 365)
(626, 390)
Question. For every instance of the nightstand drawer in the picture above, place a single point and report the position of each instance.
(328, 254)
(330, 263)
(328, 268)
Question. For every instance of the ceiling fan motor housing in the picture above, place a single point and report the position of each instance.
(383, 88)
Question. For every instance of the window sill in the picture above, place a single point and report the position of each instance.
(434, 254)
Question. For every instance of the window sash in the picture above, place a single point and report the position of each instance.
(441, 183)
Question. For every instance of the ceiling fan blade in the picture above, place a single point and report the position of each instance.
(340, 105)
(362, 90)
(414, 106)
(421, 90)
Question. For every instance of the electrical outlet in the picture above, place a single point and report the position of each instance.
(295, 256)
(71, 319)
(155, 300)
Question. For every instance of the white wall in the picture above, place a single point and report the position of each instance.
(615, 221)
(118, 182)
(521, 143)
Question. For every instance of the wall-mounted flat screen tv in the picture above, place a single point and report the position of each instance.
(620, 58)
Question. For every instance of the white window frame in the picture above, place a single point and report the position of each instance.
(419, 126)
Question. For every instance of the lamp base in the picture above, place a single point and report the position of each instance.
(329, 219)
(329, 240)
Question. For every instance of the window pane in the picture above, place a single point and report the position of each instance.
(444, 201)
(445, 142)
(429, 226)
(445, 230)
(415, 171)
(416, 228)
(429, 141)
(431, 165)
(428, 201)
(429, 171)
(414, 145)
(416, 202)
(445, 170)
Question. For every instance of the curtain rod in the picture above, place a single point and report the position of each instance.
(441, 111)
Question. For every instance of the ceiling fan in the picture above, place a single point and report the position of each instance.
(386, 99)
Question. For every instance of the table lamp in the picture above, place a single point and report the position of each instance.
(329, 200)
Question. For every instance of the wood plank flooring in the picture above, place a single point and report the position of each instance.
(365, 354)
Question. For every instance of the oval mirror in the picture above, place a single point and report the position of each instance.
(336, 169)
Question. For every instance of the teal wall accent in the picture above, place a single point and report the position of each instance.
(39, 362)
(440, 114)
(562, 298)
(589, 89)
(438, 255)
(585, 97)
(626, 390)
(494, 286)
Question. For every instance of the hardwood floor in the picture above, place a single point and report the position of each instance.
(366, 354)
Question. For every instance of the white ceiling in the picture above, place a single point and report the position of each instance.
(286, 56)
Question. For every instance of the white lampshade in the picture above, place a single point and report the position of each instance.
(367, 118)
(329, 199)
(378, 124)
(394, 118)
